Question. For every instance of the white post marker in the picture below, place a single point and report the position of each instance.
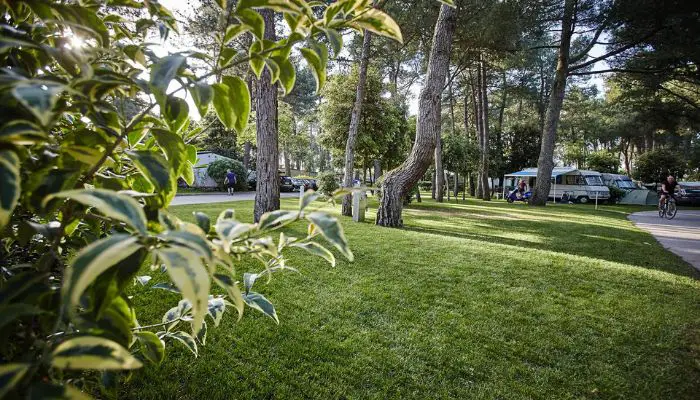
(596, 200)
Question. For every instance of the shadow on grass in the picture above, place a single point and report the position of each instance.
(605, 235)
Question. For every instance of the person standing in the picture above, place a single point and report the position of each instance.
(230, 181)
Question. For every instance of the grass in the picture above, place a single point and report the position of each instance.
(471, 300)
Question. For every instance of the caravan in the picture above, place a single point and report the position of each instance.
(568, 183)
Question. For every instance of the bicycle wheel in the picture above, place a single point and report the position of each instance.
(671, 210)
(662, 211)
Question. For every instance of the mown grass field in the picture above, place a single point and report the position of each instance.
(471, 300)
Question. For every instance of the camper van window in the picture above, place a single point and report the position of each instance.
(625, 184)
(594, 180)
(573, 180)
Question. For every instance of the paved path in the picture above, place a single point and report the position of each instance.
(681, 235)
(206, 198)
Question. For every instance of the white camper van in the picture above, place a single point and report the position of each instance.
(576, 185)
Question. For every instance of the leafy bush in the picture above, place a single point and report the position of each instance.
(603, 161)
(616, 194)
(217, 171)
(88, 168)
(655, 165)
(327, 183)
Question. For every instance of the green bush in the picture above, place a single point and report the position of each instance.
(616, 194)
(327, 183)
(655, 165)
(217, 171)
(603, 161)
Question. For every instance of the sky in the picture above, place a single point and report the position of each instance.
(182, 6)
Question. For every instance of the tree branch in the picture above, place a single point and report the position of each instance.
(613, 52)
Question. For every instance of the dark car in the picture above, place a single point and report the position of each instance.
(688, 193)
(286, 184)
(312, 184)
(300, 184)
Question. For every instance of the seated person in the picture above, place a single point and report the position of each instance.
(668, 187)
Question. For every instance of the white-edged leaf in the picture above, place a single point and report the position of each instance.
(93, 352)
(260, 303)
(233, 291)
(317, 250)
(273, 218)
(191, 277)
(114, 205)
(216, 307)
(93, 260)
(39, 98)
(10, 375)
(186, 339)
(10, 188)
(318, 68)
(203, 221)
(309, 197)
(249, 280)
(379, 22)
(331, 230)
(152, 347)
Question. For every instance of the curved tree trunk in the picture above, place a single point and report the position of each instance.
(355, 124)
(267, 191)
(545, 163)
(399, 181)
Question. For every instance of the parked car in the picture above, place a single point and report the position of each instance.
(688, 193)
(312, 184)
(286, 184)
(298, 184)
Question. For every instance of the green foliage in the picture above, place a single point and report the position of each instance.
(616, 194)
(524, 148)
(217, 171)
(603, 161)
(384, 131)
(327, 183)
(656, 165)
(90, 156)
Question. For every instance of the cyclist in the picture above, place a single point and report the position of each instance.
(668, 187)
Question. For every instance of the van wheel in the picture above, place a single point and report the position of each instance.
(582, 199)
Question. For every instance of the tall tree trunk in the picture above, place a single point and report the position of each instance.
(456, 188)
(246, 155)
(355, 124)
(267, 193)
(287, 161)
(545, 163)
(432, 186)
(502, 109)
(377, 170)
(439, 171)
(476, 100)
(484, 168)
(399, 181)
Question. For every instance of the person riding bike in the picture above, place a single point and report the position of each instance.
(668, 187)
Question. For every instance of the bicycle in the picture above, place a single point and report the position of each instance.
(668, 210)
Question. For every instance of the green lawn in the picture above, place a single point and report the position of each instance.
(470, 300)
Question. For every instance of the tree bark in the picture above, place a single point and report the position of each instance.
(476, 100)
(432, 186)
(439, 171)
(456, 188)
(399, 181)
(377, 170)
(355, 124)
(246, 155)
(484, 167)
(267, 191)
(545, 163)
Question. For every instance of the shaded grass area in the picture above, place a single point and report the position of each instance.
(471, 300)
